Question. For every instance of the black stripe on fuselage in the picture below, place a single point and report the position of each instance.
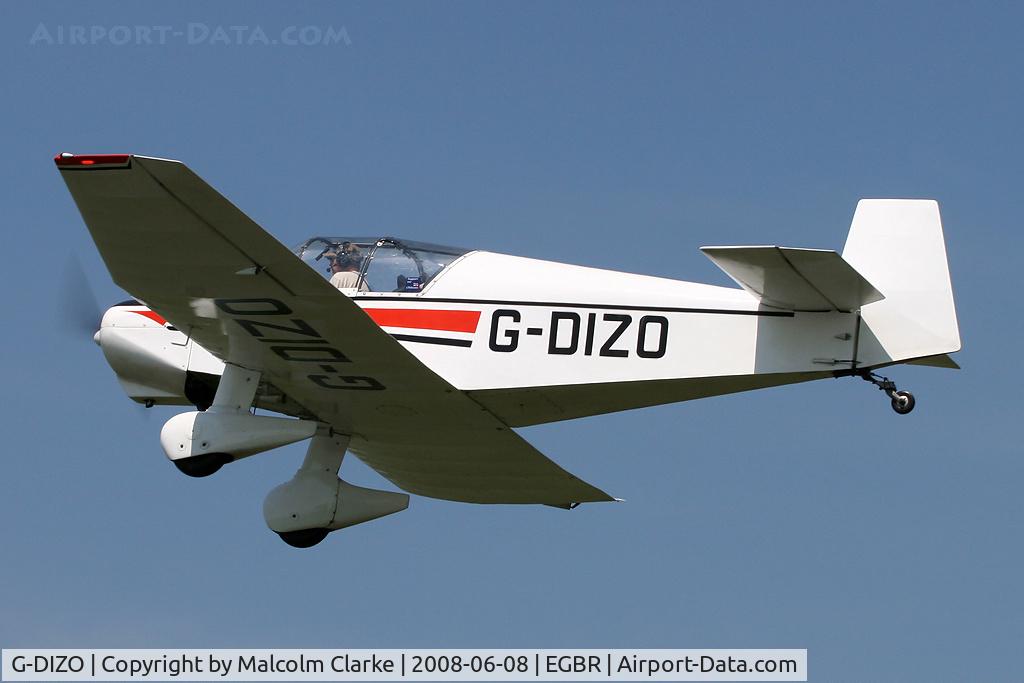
(444, 341)
(566, 304)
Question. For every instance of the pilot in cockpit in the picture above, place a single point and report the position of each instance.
(345, 264)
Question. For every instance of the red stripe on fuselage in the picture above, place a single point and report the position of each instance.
(154, 316)
(447, 321)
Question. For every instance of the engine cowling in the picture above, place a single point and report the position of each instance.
(153, 361)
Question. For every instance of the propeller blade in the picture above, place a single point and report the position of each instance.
(78, 308)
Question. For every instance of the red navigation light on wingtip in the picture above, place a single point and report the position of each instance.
(66, 160)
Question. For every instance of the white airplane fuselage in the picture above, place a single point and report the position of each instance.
(523, 333)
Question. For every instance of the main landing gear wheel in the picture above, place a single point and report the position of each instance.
(202, 465)
(303, 538)
(902, 401)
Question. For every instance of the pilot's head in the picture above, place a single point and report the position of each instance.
(345, 258)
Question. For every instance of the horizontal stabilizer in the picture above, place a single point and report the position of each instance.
(795, 279)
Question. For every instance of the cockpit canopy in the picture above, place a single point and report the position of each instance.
(384, 264)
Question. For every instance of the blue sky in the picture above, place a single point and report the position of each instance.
(607, 134)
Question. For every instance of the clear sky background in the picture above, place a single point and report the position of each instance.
(611, 135)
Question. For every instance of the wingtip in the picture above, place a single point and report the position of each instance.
(69, 160)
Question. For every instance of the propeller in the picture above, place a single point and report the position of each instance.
(79, 311)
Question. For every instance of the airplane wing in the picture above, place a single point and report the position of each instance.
(171, 240)
(795, 279)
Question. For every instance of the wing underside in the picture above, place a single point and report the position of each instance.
(171, 240)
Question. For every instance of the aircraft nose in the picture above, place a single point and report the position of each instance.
(96, 337)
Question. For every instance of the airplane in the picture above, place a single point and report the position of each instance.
(421, 359)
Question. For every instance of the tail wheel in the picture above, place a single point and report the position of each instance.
(303, 538)
(903, 402)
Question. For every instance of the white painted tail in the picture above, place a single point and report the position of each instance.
(898, 246)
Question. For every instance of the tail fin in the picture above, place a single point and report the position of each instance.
(898, 246)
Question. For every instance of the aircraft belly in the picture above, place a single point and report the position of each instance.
(538, 405)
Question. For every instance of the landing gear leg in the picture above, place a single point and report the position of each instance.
(316, 502)
(902, 401)
(301, 511)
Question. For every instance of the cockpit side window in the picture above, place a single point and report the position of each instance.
(389, 269)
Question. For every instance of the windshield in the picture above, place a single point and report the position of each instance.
(370, 264)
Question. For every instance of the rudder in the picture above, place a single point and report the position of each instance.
(898, 246)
